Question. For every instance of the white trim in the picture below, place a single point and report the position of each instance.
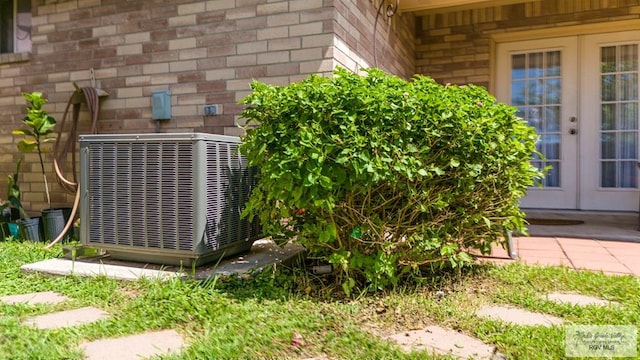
(565, 31)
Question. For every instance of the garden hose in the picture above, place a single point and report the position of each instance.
(90, 96)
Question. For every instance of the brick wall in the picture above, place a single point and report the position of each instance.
(354, 43)
(204, 52)
(453, 47)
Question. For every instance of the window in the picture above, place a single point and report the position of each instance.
(15, 26)
(536, 88)
(619, 97)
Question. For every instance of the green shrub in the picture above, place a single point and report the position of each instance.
(382, 177)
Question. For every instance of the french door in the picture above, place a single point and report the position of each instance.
(581, 95)
(540, 78)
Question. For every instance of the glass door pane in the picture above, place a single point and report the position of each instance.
(536, 89)
(619, 116)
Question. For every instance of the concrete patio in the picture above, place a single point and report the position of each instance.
(607, 242)
(597, 225)
(610, 257)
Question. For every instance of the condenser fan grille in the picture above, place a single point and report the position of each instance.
(229, 182)
(137, 189)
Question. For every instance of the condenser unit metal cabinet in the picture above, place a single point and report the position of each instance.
(166, 198)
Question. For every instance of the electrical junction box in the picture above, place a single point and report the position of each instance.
(211, 110)
(161, 105)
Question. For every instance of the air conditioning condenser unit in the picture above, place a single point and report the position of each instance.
(170, 198)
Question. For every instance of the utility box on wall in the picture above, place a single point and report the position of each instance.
(166, 198)
(161, 105)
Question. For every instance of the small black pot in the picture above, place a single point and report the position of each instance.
(30, 229)
(54, 221)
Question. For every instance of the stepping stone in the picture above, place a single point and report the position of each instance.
(45, 297)
(68, 318)
(444, 342)
(577, 299)
(134, 347)
(518, 316)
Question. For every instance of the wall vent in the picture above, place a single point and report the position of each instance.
(173, 199)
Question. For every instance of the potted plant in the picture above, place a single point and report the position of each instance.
(11, 209)
(17, 222)
(39, 131)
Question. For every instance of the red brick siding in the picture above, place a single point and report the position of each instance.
(394, 38)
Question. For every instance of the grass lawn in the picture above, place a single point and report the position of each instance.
(258, 318)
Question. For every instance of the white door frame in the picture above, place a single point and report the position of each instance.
(565, 196)
(595, 197)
